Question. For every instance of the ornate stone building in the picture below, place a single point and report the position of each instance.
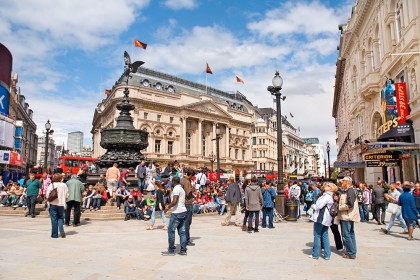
(181, 118)
(379, 42)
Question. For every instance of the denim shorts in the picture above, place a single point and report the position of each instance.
(410, 222)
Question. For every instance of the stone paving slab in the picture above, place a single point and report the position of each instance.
(126, 250)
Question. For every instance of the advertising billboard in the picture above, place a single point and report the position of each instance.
(5, 78)
(7, 132)
(16, 159)
(394, 105)
(4, 157)
(4, 101)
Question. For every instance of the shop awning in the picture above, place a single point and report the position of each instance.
(349, 164)
(382, 147)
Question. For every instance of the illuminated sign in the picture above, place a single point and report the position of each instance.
(379, 163)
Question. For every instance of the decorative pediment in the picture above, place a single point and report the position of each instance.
(208, 107)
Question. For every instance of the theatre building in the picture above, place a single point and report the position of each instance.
(376, 100)
(182, 118)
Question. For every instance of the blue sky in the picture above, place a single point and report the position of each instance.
(68, 52)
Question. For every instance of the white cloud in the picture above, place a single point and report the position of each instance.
(181, 4)
(299, 18)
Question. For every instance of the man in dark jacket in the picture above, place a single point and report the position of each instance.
(232, 197)
(254, 203)
(268, 195)
(378, 197)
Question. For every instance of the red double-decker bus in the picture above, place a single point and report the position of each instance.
(73, 163)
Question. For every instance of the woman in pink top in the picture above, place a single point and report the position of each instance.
(46, 181)
(58, 205)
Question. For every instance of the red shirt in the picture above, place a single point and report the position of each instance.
(134, 193)
(124, 174)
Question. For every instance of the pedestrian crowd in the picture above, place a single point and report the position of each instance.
(186, 192)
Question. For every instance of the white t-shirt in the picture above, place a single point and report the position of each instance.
(180, 207)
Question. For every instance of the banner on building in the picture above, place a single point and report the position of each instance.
(402, 104)
(394, 105)
(4, 157)
(16, 159)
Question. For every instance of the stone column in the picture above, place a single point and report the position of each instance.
(183, 135)
(227, 141)
(200, 136)
(214, 137)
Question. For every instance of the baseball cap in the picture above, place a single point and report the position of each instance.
(347, 178)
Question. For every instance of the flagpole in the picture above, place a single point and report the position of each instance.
(206, 81)
(132, 49)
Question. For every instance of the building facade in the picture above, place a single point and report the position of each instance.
(316, 157)
(18, 137)
(75, 142)
(181, 118)
(297, 155)
(53, 153)
(378, 46)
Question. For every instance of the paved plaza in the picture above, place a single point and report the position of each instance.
(126, 250)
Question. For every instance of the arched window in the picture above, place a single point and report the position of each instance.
(188, 144)
(203, 141)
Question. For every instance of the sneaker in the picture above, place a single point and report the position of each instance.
(256, 230)
(326, 259)
(167, 253)
(410, 238)
(346, 256)
(190, 243)
(250, 230)
(2, 205)
(63, 235)
(127, 218)
(182, 253)
(384, 230)
(312, 257)
(340, 250)
(15, 206)
(243, 227)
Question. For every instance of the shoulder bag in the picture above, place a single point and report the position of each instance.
(53, 194)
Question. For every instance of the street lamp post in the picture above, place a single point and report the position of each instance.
(328, 155)
(218, 151)
(275, 90)
(48, 131)
(212, 158)
(325, 168)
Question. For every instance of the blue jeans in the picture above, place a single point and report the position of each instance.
(57, 220)
(364, 212)
(177, 222)
(397, 215)
(162, 214)
(188, 220)
(140, 183)
(321, 231)
(267, 211)
(349, 237)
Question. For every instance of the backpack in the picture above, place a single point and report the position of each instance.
(308, 196)
(359, 195)
(334, 209)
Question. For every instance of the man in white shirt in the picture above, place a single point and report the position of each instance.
(200, 180)
(294, 193)
(177, 219)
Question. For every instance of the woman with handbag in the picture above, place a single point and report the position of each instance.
(322, 221)
(393, 208)
(57, 194)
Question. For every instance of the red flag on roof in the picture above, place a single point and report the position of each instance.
(107, 91)
(208, 70)
(139, 44)
(239, 80)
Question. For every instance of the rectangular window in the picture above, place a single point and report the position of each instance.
(254, 140)
(159, 117)
(171, 119)
(170, 147)
(243, 154)
(145, 115)
(236, 153)
(157, 146)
